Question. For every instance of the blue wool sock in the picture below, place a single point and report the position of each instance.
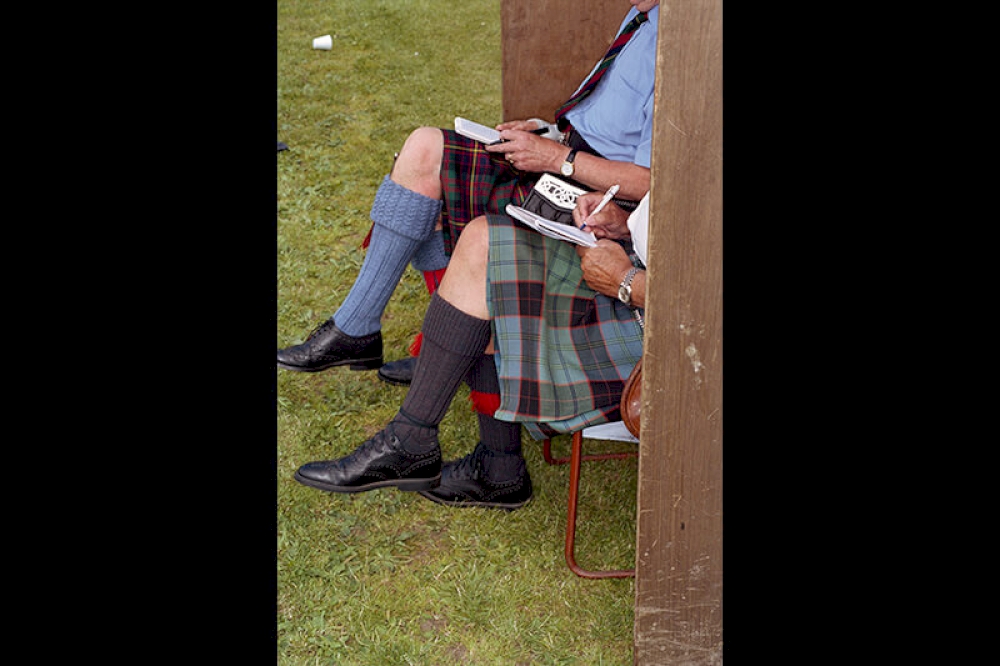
(403, 220)
(430, 255)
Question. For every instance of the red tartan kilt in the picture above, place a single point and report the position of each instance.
(476, 182)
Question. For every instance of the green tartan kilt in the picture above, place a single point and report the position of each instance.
(563, 351)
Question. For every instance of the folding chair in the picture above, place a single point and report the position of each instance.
(608, 431)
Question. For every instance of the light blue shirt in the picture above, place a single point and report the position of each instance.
(617, 118)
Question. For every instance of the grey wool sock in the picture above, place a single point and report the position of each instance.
(403, 219)
(452, 342)
(502, 437)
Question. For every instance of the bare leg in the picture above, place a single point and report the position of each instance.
(418, 166)
(405, 212)
(464, 283)
(494, 474)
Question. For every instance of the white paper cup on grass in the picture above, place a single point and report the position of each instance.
(324, 43)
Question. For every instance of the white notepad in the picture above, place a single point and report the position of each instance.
(566, 232)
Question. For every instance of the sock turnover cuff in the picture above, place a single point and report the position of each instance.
(403, 211)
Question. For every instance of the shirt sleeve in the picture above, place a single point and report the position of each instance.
(638, 226)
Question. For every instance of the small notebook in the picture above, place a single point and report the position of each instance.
(476, 131)
(566, 232)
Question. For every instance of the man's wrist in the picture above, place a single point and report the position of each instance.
(568, 165)
(625, 287)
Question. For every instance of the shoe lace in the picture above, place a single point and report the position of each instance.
(322, 326)
(377, 441)
(471, 466)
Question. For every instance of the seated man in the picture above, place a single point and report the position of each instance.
(557, 370)
(442, 179)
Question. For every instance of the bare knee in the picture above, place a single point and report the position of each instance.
(425, 145)
(464, 283)
(418, 166)
(472, 252)
(475, 238)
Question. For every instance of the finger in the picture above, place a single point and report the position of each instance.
(586, 203)
(502, 147)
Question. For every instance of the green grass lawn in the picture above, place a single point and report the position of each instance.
(386, 577)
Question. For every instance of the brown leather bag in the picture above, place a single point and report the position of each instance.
(632, 399)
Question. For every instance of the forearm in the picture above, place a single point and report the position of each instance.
(531, 153)
(605, 267)
(600, 174)
(639, 289)
(610, 287)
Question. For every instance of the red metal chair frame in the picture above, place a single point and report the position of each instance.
(575, 460)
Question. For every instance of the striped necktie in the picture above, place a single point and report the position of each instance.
(620, 41)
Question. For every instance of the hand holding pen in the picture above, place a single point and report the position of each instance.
(608, 196)
(613, 220)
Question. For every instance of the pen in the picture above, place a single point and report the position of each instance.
(608, 196)
(539, 131)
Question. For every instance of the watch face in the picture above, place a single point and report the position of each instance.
(567, 169)
(625, 294)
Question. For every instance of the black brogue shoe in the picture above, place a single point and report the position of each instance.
(398, 372)
(464, 483)
(380, 462)
(327, 346)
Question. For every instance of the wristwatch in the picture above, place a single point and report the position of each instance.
(625, 288)
(567, 167)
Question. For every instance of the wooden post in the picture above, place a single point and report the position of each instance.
(549, 47)
(678, 607)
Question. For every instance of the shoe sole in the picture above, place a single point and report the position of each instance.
(464, 504)
(355, 364)
(401, 484)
